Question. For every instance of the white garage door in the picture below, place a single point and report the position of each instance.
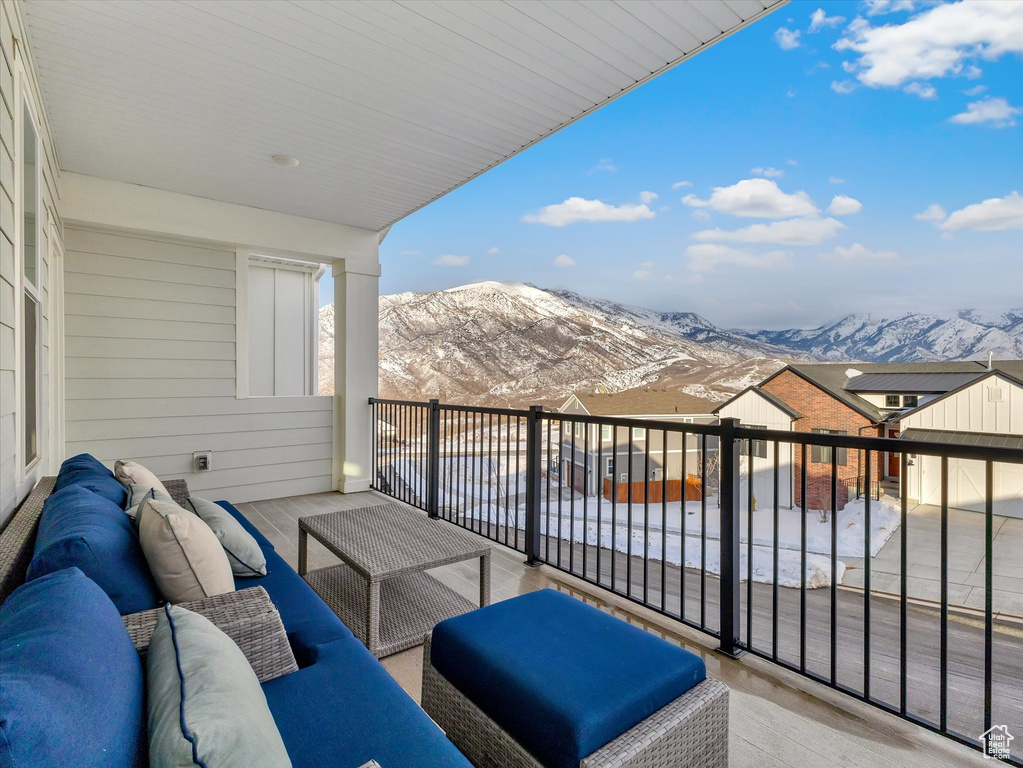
(966, 485)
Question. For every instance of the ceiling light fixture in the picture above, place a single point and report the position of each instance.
(287, 160)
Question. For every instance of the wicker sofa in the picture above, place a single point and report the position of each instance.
(333, 702)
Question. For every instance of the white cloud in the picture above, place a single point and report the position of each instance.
(807, 231)
(648, 197)
(787, 39)
(995, 214)
(576, 209)
(701, 215)
(835, 180)
(857, 252)
(706, 257)
(933, 212)
(564, 260)
(996, 112)
(935, 43)
(819, 20)
(791, 92)
(758, 198)
(493, 251)
(450, 260)
(768, 173)
(640, 274)
(925, 91)
(646, 264)
(605, 165)
(878, 7)
(843, 205)
(975, 90)
(680, 184)
(843, 86)
(790, 161)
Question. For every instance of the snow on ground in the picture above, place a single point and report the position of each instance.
(665, 524)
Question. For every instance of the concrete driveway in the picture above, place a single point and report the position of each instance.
(966, 560)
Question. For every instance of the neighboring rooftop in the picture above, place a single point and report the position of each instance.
(644, 401)
(834, 378)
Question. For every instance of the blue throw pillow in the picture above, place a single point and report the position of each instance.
(71, 683)
(81, 529)
(89, 472)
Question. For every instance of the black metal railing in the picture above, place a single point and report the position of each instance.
(832, 555)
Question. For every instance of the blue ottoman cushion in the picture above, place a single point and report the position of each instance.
(89, 472)
(561, 677)
(81, 529)
(71, 683)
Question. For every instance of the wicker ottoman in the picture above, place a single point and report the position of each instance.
(545, 681)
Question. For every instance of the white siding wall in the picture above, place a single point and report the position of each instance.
(151, 371)
(971, 410)
(17, 76)
(753, 409)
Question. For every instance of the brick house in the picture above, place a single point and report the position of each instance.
(865, 399)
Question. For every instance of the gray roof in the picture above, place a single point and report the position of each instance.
(831, 377)
(986, 439)
(912, 383)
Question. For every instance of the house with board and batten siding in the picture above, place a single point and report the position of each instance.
(941, 402)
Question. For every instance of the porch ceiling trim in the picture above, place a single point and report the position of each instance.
(387, 105)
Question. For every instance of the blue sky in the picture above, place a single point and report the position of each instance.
(746, 147)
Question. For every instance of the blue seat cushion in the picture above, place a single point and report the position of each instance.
(89, 472)
(71, 683)
(346, 704)
(561, 677)
(81, 529)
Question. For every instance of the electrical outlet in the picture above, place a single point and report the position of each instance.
(202, 461)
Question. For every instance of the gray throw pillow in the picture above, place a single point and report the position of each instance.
(137, 493)
(205, 704)
(242, 550)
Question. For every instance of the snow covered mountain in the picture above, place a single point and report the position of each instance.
(514, 344)
(968, 334)
(510, 343)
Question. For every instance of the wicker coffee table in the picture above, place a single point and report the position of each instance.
(381, 590)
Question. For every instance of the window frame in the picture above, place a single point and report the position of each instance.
(29, 290)
(821, 454)
(605, 433)
(906, 401)
(641, 437)
(759, 446)
(892, 401)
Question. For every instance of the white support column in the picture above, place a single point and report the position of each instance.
(356, 360)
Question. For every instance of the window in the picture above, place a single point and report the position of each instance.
(687, 420)
(578, 429)
(282, 308)
(638, 433)
(910, 401)
(821, 454)
(31, 214)
(891, 401)
(605, 433)
(608, 466)
(759, 446)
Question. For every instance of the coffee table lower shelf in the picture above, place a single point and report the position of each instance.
(411, 605)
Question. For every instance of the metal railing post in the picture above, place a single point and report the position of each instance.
(534, 456)
(729, 490)
(433, 457)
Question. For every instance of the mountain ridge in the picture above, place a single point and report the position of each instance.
(516, 344)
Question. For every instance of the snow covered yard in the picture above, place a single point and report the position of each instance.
(664, 537)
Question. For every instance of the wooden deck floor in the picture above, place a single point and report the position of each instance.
(778, 719)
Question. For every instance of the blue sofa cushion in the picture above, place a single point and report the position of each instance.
(71, 684)
(346, 704)
(88, 472)
(306, 618)
(561, 677)
(79, 528)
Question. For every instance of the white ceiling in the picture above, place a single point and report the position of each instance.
(388, 105)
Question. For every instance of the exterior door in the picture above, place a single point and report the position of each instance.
(893, 458)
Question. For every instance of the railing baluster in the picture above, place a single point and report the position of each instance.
(943, 673)
(903, 591)
(534, 449)
(547, 542)
(834, 565)
(433, 454)
(571, 504)
(703, 528)
(750, 503)
(561, 481)
(490, 469)
(802, 558)
(646, 517)
(989, 589)
(729, 493)
(631, 433)
(664, 518)
(586, 494)
(518, 475)
(777, 526)
(866, 585)
(600, 496)
(614, 506)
